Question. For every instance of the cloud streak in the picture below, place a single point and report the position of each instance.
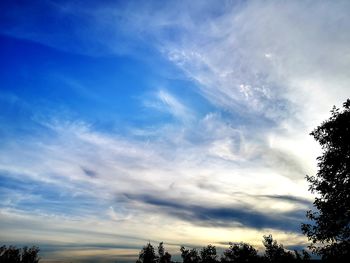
(239, 216)
(225, 154)
(87, 164)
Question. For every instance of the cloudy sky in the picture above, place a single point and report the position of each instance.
(188, 122)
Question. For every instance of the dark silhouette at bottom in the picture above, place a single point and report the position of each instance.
(237, 253)
(12, 254)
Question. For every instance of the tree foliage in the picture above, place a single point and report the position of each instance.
(147, 254)
(164, 256)
(275, 252)
(12, 254)
(189, 256)
(329, 229)
(240, 253)
(208, 254)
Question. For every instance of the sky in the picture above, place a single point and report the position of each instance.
(124, 122)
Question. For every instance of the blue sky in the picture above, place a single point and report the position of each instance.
(183, 122)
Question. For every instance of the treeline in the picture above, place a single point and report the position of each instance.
(236, 253)
(13, 254)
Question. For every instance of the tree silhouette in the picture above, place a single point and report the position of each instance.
(12, 254)
(208, 254)
(189, 256)
(236, 253)
(147, 255)
(275, 252)
(240, 253)
(330, 227)
(30, 255)
(161, 250)
(305, 257)
(164, 257)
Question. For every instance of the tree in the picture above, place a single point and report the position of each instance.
(189, 256)
(164, 257)
(161, 250)
(275, 252)
(208, 254)
(12, 254)
(30, 255)
(305, 257)
(329, 229)
(240, 253)
(147, 255)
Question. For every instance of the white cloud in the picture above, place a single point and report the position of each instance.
(168, 103)
(279, 66)
(286, 60)
(170, 167)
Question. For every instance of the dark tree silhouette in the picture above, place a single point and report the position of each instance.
(240, 253)
(161, 250)
(329, 230)
(12, 254)
(305, 257)
(147, 255)
(236, 253)
(164, 257)
(189, 256)
(30, 255)
(275, 252)
(208, 254)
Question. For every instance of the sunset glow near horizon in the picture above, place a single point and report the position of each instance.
(188, 122)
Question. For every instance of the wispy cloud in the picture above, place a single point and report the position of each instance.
(123, 167)
(270, 73)
(165, 102)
